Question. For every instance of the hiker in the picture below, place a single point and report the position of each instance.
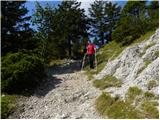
(91, 49)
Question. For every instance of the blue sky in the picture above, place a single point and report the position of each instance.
(85, 4)
(30, 5)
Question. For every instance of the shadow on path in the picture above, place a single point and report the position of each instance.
(51, 82)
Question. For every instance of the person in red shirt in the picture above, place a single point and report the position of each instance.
(91, 49)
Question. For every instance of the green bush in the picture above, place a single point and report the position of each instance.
(7, 105)
(20, 71)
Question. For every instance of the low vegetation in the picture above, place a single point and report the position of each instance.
(108, 81)
(147, 62)
(7, 105)
(114, 108)
(145, 107)
(151, 84)
(156, 53)
(146, 47)
(132, 94)
(150, 109)
(144, 37)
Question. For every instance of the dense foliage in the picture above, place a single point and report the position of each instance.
(15, 30)
(136, 19)
(63, 28)
(20, 71)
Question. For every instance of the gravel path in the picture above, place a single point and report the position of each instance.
(65, 94)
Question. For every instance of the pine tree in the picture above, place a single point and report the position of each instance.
(70, 24)
(112, 11)
(97, 19)
(103, 16)
(133, 22)
(15, 28)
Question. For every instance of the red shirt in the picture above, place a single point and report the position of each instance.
(91, 49)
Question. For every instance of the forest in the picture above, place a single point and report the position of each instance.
(62, 33)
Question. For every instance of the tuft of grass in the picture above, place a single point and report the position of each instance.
(156, 53)
(144, 37)
(103, 102)
(123, 110)
(151, 84)
(108, 81)
(146, 47)
(132, 93)
(150, 110)
(149, 95)
(147, 62)
(7, 105)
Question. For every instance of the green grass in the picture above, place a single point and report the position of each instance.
(108, 81)
(150, 110)
(151, 84)
(144, 37)
(132, 94)
(7, 105)
(156, 53)
(146, 47)
(147, 62)
(149, 95)
(123, 110)
(103, 102)
(115, 108)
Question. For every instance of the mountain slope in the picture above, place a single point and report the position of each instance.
(130, 82)
(136, 65)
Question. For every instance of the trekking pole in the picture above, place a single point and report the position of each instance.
(83, 61)
(96, 62)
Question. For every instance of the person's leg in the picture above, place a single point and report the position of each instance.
(91, 61)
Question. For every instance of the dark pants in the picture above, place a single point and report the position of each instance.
(91, 61)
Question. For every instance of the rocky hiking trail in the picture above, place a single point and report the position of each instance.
(66, 93)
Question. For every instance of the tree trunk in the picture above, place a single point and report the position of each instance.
(102, 38)
(69, 46)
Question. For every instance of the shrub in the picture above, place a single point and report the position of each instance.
(20, 71)
(7, 105)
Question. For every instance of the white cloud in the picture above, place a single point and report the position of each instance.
(85, 4)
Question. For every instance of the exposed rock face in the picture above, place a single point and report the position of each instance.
(135, 66)
(65, 94)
